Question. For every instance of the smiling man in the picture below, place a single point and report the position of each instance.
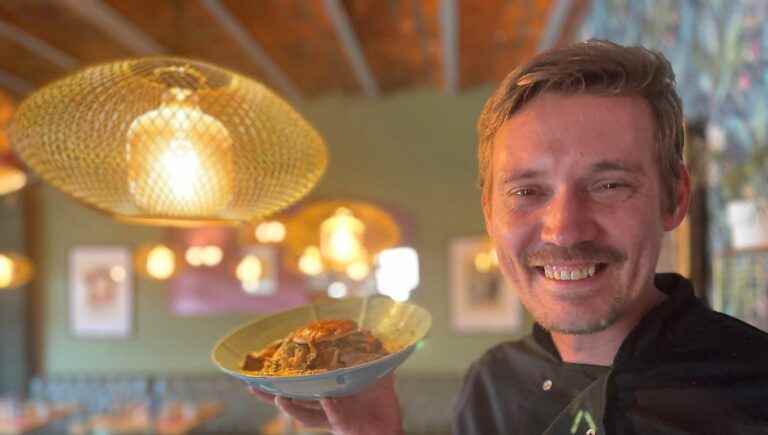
(581, 169)
(582, 173)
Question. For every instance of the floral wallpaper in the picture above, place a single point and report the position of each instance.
(719, 51)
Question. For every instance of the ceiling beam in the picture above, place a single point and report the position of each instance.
(449, 31)
(255, 52)
(112, 23)
(38, 46)
(351, 46)
(555, 23)
(15, 84)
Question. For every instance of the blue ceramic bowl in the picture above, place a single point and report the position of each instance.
(399, 325)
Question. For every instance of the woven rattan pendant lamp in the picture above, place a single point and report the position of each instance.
(169, 141)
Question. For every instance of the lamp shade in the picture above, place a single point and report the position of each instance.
(169, 141)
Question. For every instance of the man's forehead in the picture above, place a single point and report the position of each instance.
(589, 127)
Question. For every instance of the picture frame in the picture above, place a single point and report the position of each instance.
(101, 292)
(482, 301)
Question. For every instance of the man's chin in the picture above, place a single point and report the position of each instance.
(579, 326)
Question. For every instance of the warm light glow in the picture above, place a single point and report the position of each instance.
(270, 232)
(310, 262)
(337, 290)
(11, 179)
(398, 272)
(249, 272)
(117, 273)
(485, 261)
(482, 262)
(161, 262)
(194, 256)
(358, 270)
(210, 255)
(15, 270)
(180, 159)
(6, 271)
(341, 238)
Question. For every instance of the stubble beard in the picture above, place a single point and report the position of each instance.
(616, 310)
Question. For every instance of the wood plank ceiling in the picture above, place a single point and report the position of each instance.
(301, 48)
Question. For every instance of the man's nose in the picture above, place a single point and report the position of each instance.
(568, 220)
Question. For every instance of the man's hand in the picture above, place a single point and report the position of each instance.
(374, 411)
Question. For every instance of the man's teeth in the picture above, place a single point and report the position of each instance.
(569, 273)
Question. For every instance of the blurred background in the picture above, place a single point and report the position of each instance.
(394, 87)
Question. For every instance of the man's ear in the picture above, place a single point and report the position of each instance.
(682, 201)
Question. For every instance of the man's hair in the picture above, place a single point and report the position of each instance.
(598, 68)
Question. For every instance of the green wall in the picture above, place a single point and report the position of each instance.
(13, 301)
(413, 150)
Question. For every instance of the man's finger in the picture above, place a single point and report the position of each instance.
(262, 396)
(306, 416)
(310, 404)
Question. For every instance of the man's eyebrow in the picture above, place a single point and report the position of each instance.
(521, 174)
(617, 165)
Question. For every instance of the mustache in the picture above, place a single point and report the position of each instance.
(588, 252)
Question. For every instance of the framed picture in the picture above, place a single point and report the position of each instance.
(481, 299)
(100, 292)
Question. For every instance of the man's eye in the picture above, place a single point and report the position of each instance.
(613, 190)
(611, 186)
(524, 192)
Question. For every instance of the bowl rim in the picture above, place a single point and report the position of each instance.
(334, 372)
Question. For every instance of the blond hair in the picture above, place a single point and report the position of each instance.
(599, 68)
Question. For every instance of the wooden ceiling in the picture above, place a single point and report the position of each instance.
(301, 48)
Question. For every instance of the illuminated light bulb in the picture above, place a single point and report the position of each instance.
(249, 272)
(6, 271)
(341, 238)
(117, 273)
(337, 290)
(310, 262)
(398, 272)
(482, 262)
(11, 179)
(180, 160)
(194, 256)
(358, 270)
(270, 232)
(161, 262)
(212, 255)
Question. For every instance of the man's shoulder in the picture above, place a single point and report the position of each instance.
(706, 330)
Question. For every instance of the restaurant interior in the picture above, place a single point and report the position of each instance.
(123, 266)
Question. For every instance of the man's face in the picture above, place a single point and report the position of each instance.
(575, 208)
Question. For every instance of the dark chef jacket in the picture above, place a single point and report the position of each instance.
(684, 369)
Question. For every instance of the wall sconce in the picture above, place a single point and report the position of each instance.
(156, 261)
(269, 232)
(15, 270)
(344, 248)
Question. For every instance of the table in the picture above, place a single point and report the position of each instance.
(23, 417)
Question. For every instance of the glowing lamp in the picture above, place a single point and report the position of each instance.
(15, 270)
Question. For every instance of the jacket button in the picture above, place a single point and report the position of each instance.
(547, 385)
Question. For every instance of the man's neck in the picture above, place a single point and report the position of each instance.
(600, 348)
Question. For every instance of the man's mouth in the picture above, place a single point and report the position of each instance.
(559, 272)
